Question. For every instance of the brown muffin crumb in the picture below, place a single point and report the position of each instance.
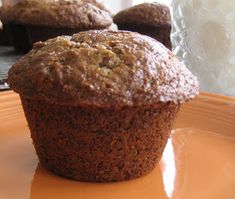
(99, 145)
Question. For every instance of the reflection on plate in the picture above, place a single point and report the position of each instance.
(198, 162)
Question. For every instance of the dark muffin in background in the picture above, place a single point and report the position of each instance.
(5, 37)
(152, 19)
(34, 20)
(100, 105)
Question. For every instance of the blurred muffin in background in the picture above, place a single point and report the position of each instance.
(5, 38)
(152, 19)
(100, 4)
(33, 20)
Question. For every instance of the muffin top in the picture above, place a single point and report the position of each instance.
(81, 14)
(97, 4)
(102, 69)
(145, 14)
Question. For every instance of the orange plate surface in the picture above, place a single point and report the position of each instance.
(198, 162)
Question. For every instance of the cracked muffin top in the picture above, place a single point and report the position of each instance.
(145, 14)
(103, 69)
(98, 4)
(82, 14)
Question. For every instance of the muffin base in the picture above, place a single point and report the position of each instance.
(24, 36)
(20, 38)
(99, 145)
(161, 33)
(5, 38)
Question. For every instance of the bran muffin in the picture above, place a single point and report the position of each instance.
(5, 38)
(98, 4)
(100, 104)
(34, 20)
(152, 19)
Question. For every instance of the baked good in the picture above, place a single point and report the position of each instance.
(3, 35)
(100, 105)
(152, 19)
(5, 38)
(34, 20)
(99, 4)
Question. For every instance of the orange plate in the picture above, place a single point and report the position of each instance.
(198, 162)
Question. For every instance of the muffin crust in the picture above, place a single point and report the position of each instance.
(145, 14)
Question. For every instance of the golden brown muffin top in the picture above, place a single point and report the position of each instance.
(145, 14)
(103, 69)
(61, 13)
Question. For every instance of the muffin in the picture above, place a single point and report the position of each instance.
(98, 4)
(152, 19)
(100, 104)
(34, 20)
(5, 38)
